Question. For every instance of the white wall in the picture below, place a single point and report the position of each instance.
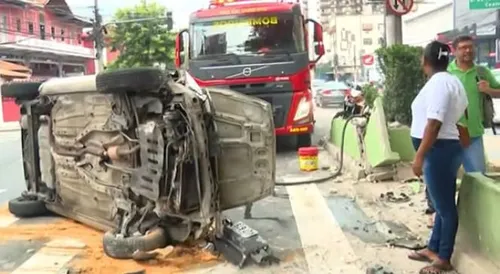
(421, 26)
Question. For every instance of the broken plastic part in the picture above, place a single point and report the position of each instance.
(239, 243)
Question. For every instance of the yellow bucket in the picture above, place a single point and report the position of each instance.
(308, 158)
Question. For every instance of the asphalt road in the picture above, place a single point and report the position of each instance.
(11, 170)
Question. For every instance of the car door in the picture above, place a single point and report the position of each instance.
(247, 161)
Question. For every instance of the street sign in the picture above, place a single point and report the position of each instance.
(484, 4)
(367, 60)
(401, 7)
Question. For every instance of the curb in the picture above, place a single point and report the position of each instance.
(469, 263)
(349, 164)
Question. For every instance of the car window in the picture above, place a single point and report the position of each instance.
(317, 83)
(336, 85)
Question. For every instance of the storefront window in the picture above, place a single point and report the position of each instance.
(482, 51)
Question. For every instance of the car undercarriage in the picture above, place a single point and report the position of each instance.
(141, 154)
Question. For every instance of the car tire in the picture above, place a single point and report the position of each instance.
(124, 247)
(21, 90)
(27, 207)
(304, 140)
(320, 103)
(150, 80)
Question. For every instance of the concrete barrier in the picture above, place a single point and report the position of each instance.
(377, 144)
(400, 140)
(351, 145)
(478, 238)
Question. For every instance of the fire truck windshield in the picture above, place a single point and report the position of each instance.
(256, 35)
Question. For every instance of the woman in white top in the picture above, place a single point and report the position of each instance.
(439, 139)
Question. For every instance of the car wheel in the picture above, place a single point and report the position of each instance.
(21, 90)
(304, 140)
(119, 247)
(26, 207)
(131, 80)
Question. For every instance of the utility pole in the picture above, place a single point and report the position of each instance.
(393, 29)
(98, 36)
(394, 22)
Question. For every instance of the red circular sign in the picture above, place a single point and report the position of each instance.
(399, 7)
(368, 59)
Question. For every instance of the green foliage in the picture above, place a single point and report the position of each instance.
(370, 93)
(400, 65)
(142, 43)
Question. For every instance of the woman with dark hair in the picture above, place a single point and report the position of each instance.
(438, 138)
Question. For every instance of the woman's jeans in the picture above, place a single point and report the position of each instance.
(441, 164)
(473, 161)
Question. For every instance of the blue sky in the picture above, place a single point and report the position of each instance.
(180, 8)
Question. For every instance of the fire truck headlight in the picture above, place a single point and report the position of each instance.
(303, 109)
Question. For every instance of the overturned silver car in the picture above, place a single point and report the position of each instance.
(147, 156)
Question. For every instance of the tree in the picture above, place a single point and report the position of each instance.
(146, 41)
(404, 77)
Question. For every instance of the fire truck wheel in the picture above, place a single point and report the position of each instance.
(21, 90)
(304, 140)
(134, 80)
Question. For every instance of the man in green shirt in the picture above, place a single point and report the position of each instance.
(474, 83)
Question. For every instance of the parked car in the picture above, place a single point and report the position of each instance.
(331, 93)
(316, 84)
(145, 155)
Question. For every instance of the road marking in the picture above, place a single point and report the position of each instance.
(49, 260)
(326, 248)
(6, 221)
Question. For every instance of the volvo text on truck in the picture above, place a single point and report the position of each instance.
(258, 48)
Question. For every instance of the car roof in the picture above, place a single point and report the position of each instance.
(336, 84)
(68, 85)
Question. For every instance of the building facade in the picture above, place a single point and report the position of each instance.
(43, 35)
(109, 54)
(483, 25)
(353, 29)
(421, 26)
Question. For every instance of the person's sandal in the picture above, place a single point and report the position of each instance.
(419, 257)
(435, 269)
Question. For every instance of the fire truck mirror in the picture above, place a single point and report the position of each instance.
(318, 33)
(179, 48)
(319, 49)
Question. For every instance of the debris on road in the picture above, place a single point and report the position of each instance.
(393, 198)
(92, 259)
(240, 243)
(378, 269)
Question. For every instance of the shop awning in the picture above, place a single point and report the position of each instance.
(13, 74)
(14, 67)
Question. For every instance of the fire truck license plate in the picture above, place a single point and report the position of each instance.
(243, 230)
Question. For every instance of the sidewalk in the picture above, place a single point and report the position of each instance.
(9, 126)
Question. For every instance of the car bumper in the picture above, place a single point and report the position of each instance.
(295, 129)
(331, 100)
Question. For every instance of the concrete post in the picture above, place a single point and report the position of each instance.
(394, 29)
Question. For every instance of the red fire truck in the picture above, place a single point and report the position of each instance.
(259, 48)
